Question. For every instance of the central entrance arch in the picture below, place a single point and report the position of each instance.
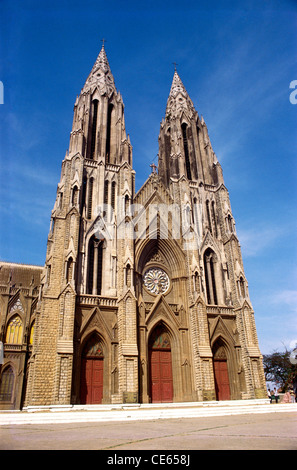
(92, 361)
(160, 366)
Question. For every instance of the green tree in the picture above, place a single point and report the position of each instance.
(280, 369)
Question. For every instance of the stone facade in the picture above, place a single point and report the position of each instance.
(143, 297)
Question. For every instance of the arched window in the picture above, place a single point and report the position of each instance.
(60, 200)
(126, 204)
(186, 150)
(84, 191)
(196, 282)
(208, 216)
(48, 274)
(106, 191)
(214, 218)
(128, 275)
(229, 224)
(74, 196)
(14, 333)
(106, 185)
(95, 258)
(6, 386)
(108, 132)
(94, 128)
(209, 269)
(93, 347)
(241, 287)
(69, 270)
(113, 188)
(32, 333)
(90, 198)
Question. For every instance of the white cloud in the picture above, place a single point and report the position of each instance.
(256, 239)
(288, 298)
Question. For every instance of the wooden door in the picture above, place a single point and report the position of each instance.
(221, 379)
(161, 376)
(92, 381)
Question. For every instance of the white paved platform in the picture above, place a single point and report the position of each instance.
(133, 412)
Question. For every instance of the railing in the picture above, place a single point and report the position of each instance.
(220, 310)
(13, 347)
(13, 290)
(87, 299)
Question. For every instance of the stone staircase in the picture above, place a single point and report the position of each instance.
(132, 412)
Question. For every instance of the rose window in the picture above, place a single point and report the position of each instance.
(156, 281)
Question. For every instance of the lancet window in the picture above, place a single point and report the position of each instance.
(241, 287)
(213, 212)
(14, 333)
(186, 150)
(210, 278)
(90, 198)
(208, 216)
(94, 128)
(74, 196)
(113, 188)
(95, 260)
(69, 270)
(108, 132)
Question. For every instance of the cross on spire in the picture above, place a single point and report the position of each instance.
(175, 64)
(103, 41)
(154, 168)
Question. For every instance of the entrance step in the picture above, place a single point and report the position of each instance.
(126, 412)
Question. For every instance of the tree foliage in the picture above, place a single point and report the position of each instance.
(278, 368)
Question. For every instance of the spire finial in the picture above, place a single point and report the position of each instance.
(154, 168)
(175, 64)
(103, 42)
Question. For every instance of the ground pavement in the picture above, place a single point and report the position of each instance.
(171, 428)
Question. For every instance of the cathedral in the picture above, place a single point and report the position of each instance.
(143, 296)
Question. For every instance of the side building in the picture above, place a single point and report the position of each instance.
(19, 294)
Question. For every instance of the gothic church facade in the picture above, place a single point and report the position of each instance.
(143, 296)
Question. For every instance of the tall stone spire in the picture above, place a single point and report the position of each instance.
(184, 146)
(100, 75)
(178, 100)
(98, 130)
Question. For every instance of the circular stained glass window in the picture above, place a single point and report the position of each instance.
(156, 281)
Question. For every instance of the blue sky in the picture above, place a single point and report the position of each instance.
(236, 60)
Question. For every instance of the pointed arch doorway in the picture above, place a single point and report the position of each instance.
(221, 374)
(160, 366)
(92, 361)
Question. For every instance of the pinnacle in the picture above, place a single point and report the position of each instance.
(175, 104)
(177, 86)
(101, 74)
(101, 61)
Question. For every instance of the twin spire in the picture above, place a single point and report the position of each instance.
(101, 75)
